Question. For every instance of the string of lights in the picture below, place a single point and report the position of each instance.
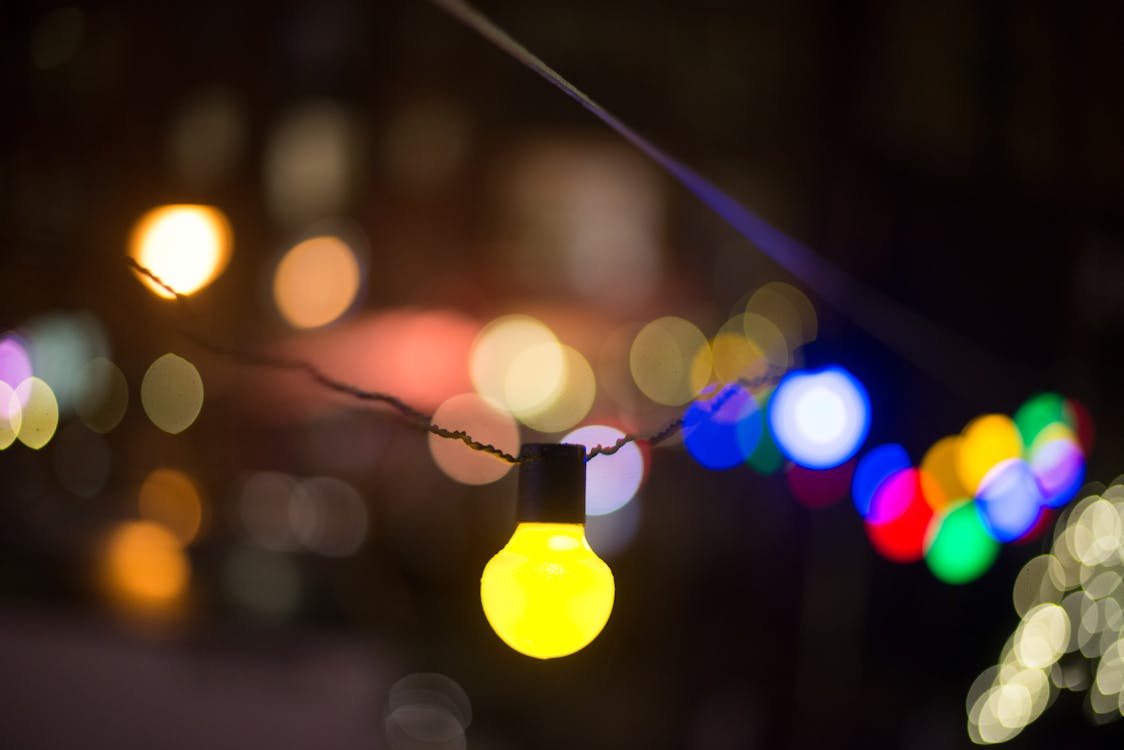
(416, 416)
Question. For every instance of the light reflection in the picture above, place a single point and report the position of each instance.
(186, 246)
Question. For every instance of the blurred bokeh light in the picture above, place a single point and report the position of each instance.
(819, 418)
(670, 360)
(172, 393)
(144, 568)
(476, 416)
(172, 499)
(722, 431)
(317, 281)
(185, 246)
(39, 412)
(611, 481)
(506, 341)
(570, 403)
(101, 394)
(959, 548)
(311, 163)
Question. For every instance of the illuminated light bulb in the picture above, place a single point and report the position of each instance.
(546, 593)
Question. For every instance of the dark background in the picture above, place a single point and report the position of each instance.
(964, 158)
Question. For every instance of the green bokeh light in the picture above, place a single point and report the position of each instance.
(962, 550)
(1038, 413)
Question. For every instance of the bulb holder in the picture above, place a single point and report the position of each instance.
(552, 483)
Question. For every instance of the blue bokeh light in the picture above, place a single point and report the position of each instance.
(722, 431)
(878, 465)
(1009, 500)
(819, 419)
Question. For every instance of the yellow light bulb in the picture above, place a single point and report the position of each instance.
(547, 593)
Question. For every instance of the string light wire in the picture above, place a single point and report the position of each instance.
(410, 413)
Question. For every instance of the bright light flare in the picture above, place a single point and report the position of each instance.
(186, 246)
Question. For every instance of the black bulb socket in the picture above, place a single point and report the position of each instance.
(552, 483)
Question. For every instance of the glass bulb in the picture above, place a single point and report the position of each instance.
(547, 593)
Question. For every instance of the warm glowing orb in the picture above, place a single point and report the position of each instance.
(144, 565)
(546, 593)
(316, 282)
(186, 246)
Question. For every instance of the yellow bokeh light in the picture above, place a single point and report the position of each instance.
(535, 379)
(477, 417)
(546, 593)
(169, 497)
(11, 415)
(572, 401)
(939, 464)
(316, 282)
(186, 246)
(670, 360)
(735, 356)
(101, 394)
(788, 308)
(39, 412)
(172, 393)
(144, 565)
(497, 348)
(985, 442)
